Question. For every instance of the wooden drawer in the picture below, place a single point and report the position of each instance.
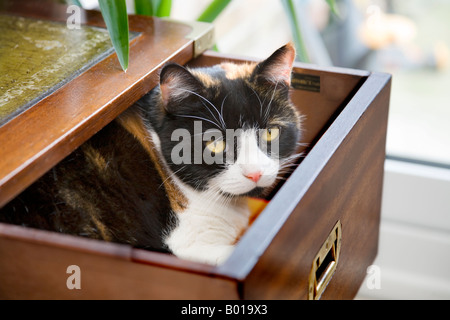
(339, 179)
(337, 183)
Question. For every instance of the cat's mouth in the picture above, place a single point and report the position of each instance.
(255, 192)
(241, 185)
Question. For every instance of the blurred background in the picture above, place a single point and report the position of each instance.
(410, 40)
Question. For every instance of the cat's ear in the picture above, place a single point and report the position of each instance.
(278, 67)
(177, 83)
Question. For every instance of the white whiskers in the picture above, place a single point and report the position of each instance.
(260, 103)
(223, 126)
(199, 118)
(266, 114)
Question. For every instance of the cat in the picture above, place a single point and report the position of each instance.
(173, 172)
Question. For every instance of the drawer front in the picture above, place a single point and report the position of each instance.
(347, 188)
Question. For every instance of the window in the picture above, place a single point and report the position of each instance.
(411, 40)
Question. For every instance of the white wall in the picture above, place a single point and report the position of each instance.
(414, 252)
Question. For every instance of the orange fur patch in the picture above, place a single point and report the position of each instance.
(133, 122)
(204, 78)
(237, 71)
(95, 157)
(76, 201)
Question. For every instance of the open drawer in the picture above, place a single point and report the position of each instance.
(319, 229)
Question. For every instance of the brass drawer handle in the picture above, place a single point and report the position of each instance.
(325, 263)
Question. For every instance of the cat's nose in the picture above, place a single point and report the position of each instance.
(254, 176)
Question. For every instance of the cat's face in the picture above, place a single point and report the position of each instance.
(230, 127)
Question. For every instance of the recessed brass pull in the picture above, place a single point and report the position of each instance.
(325, 263)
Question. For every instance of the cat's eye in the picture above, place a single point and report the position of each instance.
(270, 134)
(216, 146)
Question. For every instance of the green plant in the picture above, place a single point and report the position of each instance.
(289, 6)
(213, 10)
(115, 15)
(158, 8)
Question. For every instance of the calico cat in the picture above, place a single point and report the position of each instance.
(172, 173)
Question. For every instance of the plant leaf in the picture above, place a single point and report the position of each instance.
(76, 2)
(213, 10)
(115, 15)
(143, 7)
(333, 7)
(163, 8)
(158, 8)
(302, 53)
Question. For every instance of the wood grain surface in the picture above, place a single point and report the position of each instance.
(40, 137)
(340, 179)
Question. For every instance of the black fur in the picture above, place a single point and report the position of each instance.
(246, 103)
(111, 189)
(127, 196)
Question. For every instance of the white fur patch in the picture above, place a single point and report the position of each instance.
(208, 229)
(250, 159)
(210, 226)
